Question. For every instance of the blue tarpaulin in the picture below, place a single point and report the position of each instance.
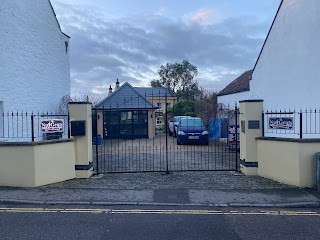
(219, 128)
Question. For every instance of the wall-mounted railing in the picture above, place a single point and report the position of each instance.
(29, 126)
(292, 123)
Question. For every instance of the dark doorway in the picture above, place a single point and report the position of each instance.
(127, 124)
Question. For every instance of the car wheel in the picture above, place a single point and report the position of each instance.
(178, 142)
(175, 134)
(206, 143)
(170, 133)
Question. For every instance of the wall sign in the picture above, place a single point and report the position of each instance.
(254, 124)
(285, 123)
(52, 125)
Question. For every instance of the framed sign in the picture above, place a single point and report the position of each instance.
(51, 125)
(253, 124)
(232, 135)
(285, 123)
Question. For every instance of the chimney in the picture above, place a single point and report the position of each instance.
(110, 90)
(117, 84)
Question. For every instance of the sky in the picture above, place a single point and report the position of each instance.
(129, 40)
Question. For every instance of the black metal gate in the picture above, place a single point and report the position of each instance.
(138, 138)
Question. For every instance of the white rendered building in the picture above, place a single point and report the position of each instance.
(34, 57)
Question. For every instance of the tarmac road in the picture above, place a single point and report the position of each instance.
(157, 223)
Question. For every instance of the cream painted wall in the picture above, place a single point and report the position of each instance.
(287, 162)
(17, 166)
(248, 146)
(30, 165)
(83, 144)
(54, 163)
(162, 100)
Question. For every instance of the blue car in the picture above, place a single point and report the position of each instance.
(192, 130)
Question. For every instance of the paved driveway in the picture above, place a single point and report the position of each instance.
(178, 180)
(162, 153)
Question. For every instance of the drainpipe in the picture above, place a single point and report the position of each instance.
(317, 160)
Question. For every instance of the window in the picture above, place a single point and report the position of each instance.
(159, 120)
(159, 105)
(168, 104)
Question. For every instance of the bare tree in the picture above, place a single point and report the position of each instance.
(94, 98)
(63, 103)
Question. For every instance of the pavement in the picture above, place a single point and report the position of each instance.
(214, 189)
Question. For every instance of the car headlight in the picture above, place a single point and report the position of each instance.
(204, 133)
(181, 133)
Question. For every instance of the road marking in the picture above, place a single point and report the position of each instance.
(143, 211)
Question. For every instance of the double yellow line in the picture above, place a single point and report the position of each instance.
(143, 211)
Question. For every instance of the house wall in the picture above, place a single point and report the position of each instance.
(160, 112)
(286, 75)
(34, 64)
(232, 99)
(154, 100)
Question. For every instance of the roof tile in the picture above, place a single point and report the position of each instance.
(240, 84)
(126, 97)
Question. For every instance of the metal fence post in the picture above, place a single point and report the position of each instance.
(236, 131)
(262, 124)
(96, 133)
(300, 124)
(166, 123)
(69, 131)
(32, 127)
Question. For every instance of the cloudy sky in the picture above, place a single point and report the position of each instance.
(131, 39)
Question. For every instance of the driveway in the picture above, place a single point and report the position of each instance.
(162, 154)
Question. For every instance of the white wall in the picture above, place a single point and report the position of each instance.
(288, 73)
(34, 65)
(1, 119)
(232, 99)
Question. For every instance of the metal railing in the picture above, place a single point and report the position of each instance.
(292, 124)
(23, 126)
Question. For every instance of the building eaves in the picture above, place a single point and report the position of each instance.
(265, 41)
(156, 92)
(55, 16)
(240, 84)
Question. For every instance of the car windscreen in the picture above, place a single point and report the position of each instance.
(191, 122)
(176, 119)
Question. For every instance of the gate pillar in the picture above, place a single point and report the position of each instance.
(250, 128)
(81, 111)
